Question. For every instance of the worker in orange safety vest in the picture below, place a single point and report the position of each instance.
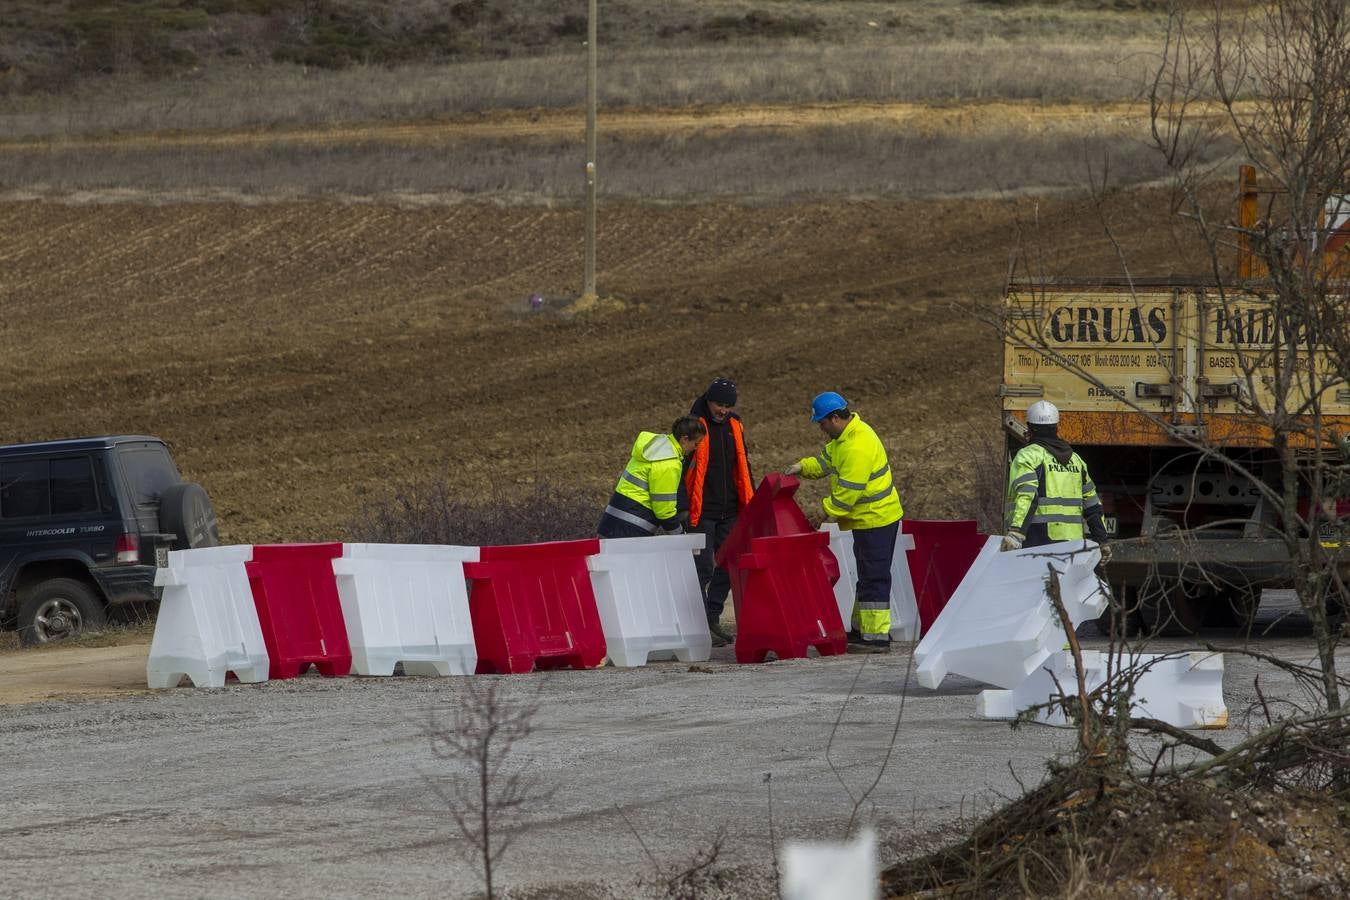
(718, 486)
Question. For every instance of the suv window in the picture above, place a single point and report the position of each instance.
(47, 487)
(149, 471)
(72, 482)
(24, 490)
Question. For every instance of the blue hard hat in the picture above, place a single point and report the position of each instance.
(826, 403)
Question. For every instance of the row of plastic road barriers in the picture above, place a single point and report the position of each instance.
(272, 611)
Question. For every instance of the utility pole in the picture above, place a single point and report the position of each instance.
(588, 281)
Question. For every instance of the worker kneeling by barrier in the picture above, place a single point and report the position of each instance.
(1181, 689)
(784, 601)
(295, 592)
(207, 624)
(407, 603)
(649, 600)
(532, 605)
(1000, 625)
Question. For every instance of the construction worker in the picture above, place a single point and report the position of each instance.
(1050, 493)
(644, 500)
(862, 499)
(717, 481)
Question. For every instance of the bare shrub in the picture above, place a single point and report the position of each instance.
(489, 791)
(435, 512)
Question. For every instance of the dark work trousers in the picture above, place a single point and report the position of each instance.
(873, 549)
(715, 581)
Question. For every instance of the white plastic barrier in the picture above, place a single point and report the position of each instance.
(904, 603)
(1184, 690)
(825, 871)
(649, 598)
(846, 588)
(407, 603)
(207, 623)
(1000, 625)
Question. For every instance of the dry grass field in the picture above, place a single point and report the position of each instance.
(312, 279)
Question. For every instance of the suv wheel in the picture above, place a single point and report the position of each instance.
(58, 609)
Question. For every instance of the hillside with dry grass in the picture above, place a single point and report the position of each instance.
(296, 239)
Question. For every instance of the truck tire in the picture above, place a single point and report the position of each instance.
(1122, 610)
(1234, 609)
(59, 609)
(1174, 613)
(185, 511)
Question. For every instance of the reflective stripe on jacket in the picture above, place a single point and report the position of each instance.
(698, 471)
(649, 485)
(1049, 500)
(862, 490)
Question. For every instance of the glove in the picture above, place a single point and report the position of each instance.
(1105, 550)
(794, 469)
(1013, 540)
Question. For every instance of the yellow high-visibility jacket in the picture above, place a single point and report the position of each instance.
(862, 491)
(650, 483)
(1051, 501)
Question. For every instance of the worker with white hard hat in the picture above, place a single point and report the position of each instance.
(1050, 493)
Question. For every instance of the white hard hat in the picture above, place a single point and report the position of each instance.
(1042, 412)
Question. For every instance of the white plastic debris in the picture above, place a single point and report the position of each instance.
(904, 603)
(649, 599)
(1185, 690)
(827, 871)
(1000, 625)
(407, 603)
(207, 623)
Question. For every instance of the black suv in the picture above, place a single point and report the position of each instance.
(84, 524)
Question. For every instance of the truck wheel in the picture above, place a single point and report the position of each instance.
(1175, 613)
(1234, 609)
(1122, 611)
(185, 511)
(58, 609)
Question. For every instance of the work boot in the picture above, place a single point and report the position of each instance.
(861, 643)
(719, 637)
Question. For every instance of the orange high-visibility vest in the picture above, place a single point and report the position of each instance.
(693, 481)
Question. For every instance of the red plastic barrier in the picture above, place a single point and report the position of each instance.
(771, 512)
(296, 594)
(943, 552)
(532, 605)
(784, 601)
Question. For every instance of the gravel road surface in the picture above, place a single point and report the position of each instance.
(327, 787)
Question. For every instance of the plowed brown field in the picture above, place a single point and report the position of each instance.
(301, 355)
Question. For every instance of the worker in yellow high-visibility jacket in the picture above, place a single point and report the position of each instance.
(645, 499)
(1051, 496)
(862, 499)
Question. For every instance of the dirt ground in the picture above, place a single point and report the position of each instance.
(58, 672)
(301, 356)
(318, 786)
(923, 118)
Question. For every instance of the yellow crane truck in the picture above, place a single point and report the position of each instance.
(1197, 542)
